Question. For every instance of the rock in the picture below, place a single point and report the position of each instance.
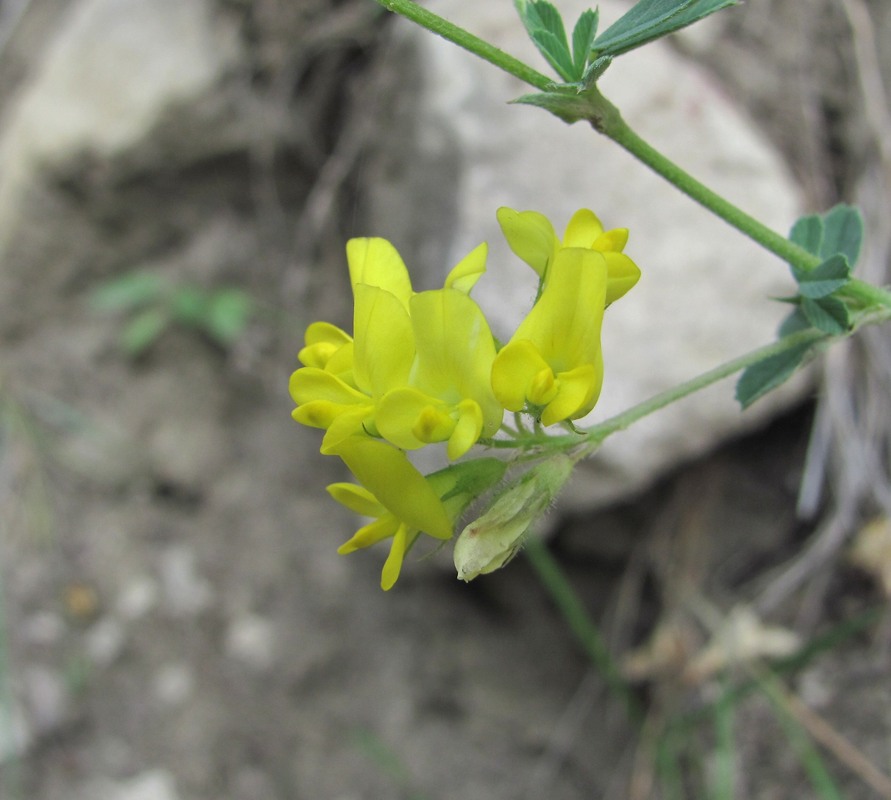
(455, 152)
(156, 784)
(116, 71)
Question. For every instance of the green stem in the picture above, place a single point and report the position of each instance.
(571, 607)
(610, 123)
(868, 294)
(606, 118)
(594, 436)
(473, 44)
(598, 433)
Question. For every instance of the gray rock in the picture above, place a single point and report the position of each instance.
(116, 71)
(156, 784)
(703, 297)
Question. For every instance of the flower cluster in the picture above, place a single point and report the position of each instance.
(423, 368)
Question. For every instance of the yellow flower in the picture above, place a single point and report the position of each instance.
(553, 364)
(531, 236)
(402, 502)
(345, 376)
(449, 397)
(442, 395)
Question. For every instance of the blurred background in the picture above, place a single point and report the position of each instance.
(177, 181)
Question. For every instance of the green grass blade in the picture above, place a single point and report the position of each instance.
(555, 582)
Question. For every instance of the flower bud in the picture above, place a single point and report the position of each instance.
(489, 542)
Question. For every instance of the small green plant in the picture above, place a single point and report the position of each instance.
(154, 304)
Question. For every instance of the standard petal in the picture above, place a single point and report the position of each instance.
(468, 270)
(565, 323)
(388, 474)
(376, 262)
(383, 346)
(455, 350)
(530, 235)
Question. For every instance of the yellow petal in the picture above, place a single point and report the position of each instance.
(530, 235)
(351, 421)
(466, 432)
(513, 372)
(468, 270)
(577, 394)
(383, 346)
(583, 229)
(370, 534)
(564, 324)
(455, 351)
(623, 274)
(376, 262)
(357, 499)
(388, 474)
(614, 240)
(398, 415)
(311, 383)
(322, 340)
(393, 564)
(318, 332)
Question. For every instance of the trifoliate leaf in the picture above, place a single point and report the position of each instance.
(807, 233)
(842, 233)
(652, 19)
(583, 35)
(827, 314)
(761, 378)
(825, 279)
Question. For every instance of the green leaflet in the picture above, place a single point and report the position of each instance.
(761, 378)
(652, 19)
